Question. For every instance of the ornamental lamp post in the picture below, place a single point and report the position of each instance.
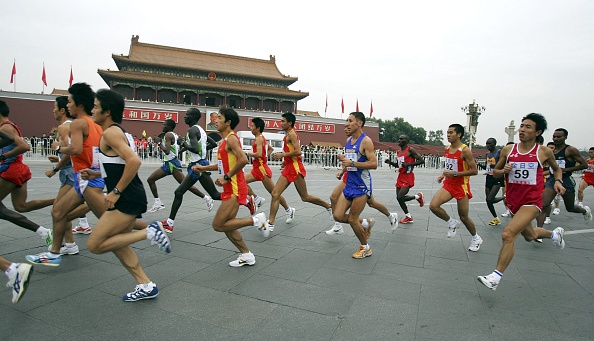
(472, 111)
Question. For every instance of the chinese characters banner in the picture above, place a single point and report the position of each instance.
(149, 115)
(309, 127)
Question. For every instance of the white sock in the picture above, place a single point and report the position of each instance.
(366, 246)
(417, 196)
(11, 271)
(409, 215)
(150, 234)
(365, 223)
(580, 203)
(158, 201)
(288, 210)
(83, 222)
(169, 221)
(42, 231)
(207, 198)
(497, 275)
(71, 245)
(257, 198)
(553, 234)
(451, 221)
(475, 237)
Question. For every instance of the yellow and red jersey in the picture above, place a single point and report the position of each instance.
(236, 186)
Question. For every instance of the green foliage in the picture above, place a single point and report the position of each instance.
(390, 130)
(435, 138)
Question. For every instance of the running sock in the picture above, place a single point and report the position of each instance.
(70, 244)
(11, 271)
(366, 246)
(150, 234)
(365, 223)
(417, 197)
(158, 201)
(148, 286)
(170, 222)
(288, 210)
(207, 197)
(475, 237)
(42, 231)
(451, 221)
(553, 233)
(409, 215)
(257, 199)
(83, 222)
(498, 275)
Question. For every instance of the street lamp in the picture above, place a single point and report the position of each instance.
(472, 111)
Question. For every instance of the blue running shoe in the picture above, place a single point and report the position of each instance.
(158, 236)
(44, 258)
(20, 282)
(140, 294)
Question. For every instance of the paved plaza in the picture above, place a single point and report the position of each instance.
(417, 285)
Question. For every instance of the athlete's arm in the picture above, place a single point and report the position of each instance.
(259, 150)
(63, 134)
(21, 146)
(577, 157)
(367, 150)
(270, 150)
(467, 156)
(293, 140)
(78, 128)
(168, 138)
(5, 138)
(413, 153)
(194, 136)
(501, 167)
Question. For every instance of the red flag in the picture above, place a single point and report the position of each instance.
(13, 72)
(342, 105)
(71, 77)
(357, 105)
(325, 110)
(371, 109)
(43, 79)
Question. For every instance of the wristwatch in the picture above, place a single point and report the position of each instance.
(58, 148)
(55, 169)
(116, 191)
(226, 177)
(455, 173)
(561, 181)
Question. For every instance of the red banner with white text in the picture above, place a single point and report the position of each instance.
(150, 115)
(310, 127)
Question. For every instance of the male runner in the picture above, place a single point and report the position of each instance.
(493, 184)
(260, 170)
(522, 165)
(293, 172)
(171, 166)
(407, 159)
(14, 175)
(588, 179)
(231, 160)
(126, 198)
(459, 166)
(196, 145)
(569, 160)
(358, 159)
(64, 166)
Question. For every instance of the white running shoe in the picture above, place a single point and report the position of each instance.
(260, 223)
(209, 202)
(156, 207)
(558, 237)
(475, 244)
(489, 281)
(556, 211)
(330, 212)
(452, 228)
(507, 213)
(69, 250)
(259, 202)
(243, 259)
(20, 282)
(547, 220)
(336, 229)
(393, 220)
(588, 214)
(290, 215)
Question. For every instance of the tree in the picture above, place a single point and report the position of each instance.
(435, 138)
(390, 130)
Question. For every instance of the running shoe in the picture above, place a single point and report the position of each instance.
(452, 228)
(558, 237)
(556, 211)
(506, 214)
(82, 230)
(250, 204)
(495, 222)
(362, 252)
(538, 240)
(68, 250)
(44, 258)
(406, 220)
(243, 259)
(290, 215)
(489, 281)
(168, 228)
(20, 282)
(421, 201)
(49, 239)
(158, 236)
(259, 202)
(140, 294)
(261, 224)
(156, 207)
(588, 214)
(393, 220)
(336, 229)
(368, 229)
(209, 202)
(547, 220)
(475, 244)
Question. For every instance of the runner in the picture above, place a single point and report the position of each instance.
(522, 165)
(231, 160)
(459, 166)
(261, 171)
(358, 159)
(493, 184)
(407, 159)
(588, 179)
(293, 172)
(14, 175)
(171, 166)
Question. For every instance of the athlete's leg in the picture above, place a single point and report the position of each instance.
(463, 205)
(209, 186)
(402, 197)
(153, 178)
(441, 197)
(281, 185)
(179, 195)
(225, 221)
(583, 185)
(20, 204)
(356, 207)
(179, 177)
(547, 197)
(301, 187)
(371, 202)
(490, 194)
(569, 201)
(68, 202)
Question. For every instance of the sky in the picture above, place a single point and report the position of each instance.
(419, 60)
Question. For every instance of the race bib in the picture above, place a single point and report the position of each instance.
(95, 164)
(400, 161)
(351, 154)
(561, 163)
(451, 164)
(220, 167)
(523, 173)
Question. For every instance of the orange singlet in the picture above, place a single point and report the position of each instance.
(292, 164)
(88, 157)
